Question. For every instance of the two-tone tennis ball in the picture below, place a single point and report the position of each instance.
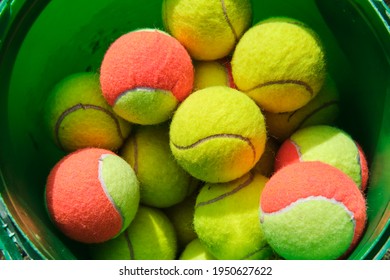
(280, 63)
(145, 74)
(311, 210)
(77, 116)
(226, 219)
(92, 195)
(163, 182)
(328, 144)
(150, 236)
(209, 29)
(217, 134)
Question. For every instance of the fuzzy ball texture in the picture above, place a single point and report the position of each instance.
(292, 64)
(266, 164)
(195, 250)
(150, 236)
(77, 116)
(92, 195)
(328, 144)
(209, 29)
(213, 73)
(163, 182)
(311, 210)
(323, 109)
(226, 219)
(145, 74)
(217, 134)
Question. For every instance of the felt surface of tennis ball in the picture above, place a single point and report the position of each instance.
(311, 210)
(77, 116)
(92, 195)
(292, 64)
(213, 73)
(150, 236)
(266, 163)
(163, 182)
(328, 144)
(322, 109)
(226, 219)
(145, 74)
(195, 250)
(209, 29)
(217, 134)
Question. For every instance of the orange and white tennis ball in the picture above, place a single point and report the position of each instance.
(311, 210)
(92, 195)
(145, 74)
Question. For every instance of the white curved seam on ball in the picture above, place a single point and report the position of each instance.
(310, 198)
(104, 186)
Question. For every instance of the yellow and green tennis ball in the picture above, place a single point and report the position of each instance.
(280, 63)
(209, 29)
(323, 109)
(328, 144)
(163, 182)
(213, 73)
(195, 250)
(92, 195)
(150, 236)
(217, 134)
(182, 216)
(77, 116)
(311, 210)
(226, 219)
(145, 74)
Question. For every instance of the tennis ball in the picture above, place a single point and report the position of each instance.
(150, 236)
(92, 195)
(327, 144)
(163, 182)
(323, 109)
(213, 73)
(145, 74)
(266, 163)
(217, 134)
(280, 63)
(195, 250)
(77, 116)
(209, 29)
(311, 210)
(226, 219)
(182, 216)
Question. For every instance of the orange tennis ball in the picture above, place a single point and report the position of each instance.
(145, 74)
(92, 195)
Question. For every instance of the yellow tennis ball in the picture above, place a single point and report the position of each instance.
(213, 73)
(195, 250)
(217, 134)
(323, 109)
(280, 63)
(209, 29)
(226, 219)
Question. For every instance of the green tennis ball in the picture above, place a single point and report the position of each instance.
(182, 216)
(163, 182)
(327, 144)
(195, 250)
(209, 29)
(280, 63)
(77, 116)
(323, 109)
(217, 134)
(213, 73)
(150, 236)
(226, 219)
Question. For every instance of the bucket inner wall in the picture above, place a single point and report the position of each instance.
(67, 37)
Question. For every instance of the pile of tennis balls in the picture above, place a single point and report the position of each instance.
(213, 139)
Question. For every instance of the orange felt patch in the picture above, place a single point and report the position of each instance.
(363, 166)
(305, 179)
(287, 154)
(146, 59)
(76, 201)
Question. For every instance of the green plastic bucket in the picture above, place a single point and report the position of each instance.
(43, 41)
